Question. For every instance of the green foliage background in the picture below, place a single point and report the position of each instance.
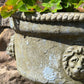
(11, 6)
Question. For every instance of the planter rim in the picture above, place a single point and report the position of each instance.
(55, 28)
(59, 16)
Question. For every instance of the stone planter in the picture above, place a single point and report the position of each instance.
(49, 48)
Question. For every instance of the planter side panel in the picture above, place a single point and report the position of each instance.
(40, 59)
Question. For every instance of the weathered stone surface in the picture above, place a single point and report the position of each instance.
(8, 69)
(5, 38)
(39, 59)
(11, 47)
(50, 27)
(59, 16)
(73, 62)
(4, 57)
(39, 49)
(9, 73)
(5, 22)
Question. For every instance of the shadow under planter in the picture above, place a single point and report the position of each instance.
(49, 48)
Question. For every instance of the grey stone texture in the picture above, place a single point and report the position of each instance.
(4, 23)
(11, 47)
(59, 16)
(73, 62)
(39, 48)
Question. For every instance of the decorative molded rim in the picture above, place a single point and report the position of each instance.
(59, 16)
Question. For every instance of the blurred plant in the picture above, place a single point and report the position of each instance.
(11, 6)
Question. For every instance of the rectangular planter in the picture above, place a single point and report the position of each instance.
(49, 48)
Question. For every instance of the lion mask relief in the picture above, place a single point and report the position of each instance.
(73, 62)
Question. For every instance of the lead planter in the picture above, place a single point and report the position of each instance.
(49, 48)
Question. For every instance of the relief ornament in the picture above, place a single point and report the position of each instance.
(73, 62)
